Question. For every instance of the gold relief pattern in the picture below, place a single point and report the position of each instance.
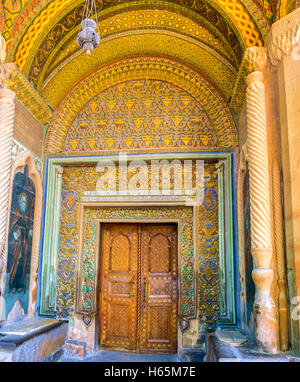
(208, 251)
(41, 12)
(34, 31)
(205, 9)
(55, 50)
(218, 71)
(243, 21)
(29, 97)
(137, 69)
(141, 114)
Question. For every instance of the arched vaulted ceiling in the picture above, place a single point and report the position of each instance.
(209, 36)
(19, 14)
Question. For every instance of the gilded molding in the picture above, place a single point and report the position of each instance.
(11, 78)
(259, 16)
(28, 95)
(284, 37)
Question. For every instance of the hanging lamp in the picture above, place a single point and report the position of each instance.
(88, 39)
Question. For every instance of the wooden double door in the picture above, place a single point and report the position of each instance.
(138, 289)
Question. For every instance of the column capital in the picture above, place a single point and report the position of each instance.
(257, 57)
(284, 38)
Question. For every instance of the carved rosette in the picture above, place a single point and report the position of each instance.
(7, 113)
(260, 214)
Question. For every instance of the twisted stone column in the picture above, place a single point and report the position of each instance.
(260, 214)
(7, 113)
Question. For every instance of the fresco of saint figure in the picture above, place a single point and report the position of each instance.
(20, 241)
(21, 235)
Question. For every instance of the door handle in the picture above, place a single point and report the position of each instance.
(131, 288)
(145, 290)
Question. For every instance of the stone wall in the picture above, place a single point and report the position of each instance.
(28, 130)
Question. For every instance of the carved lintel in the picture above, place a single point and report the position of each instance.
(284, 38)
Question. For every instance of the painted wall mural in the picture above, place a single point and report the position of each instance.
(20, 241)
(145, 114)
(191, 88)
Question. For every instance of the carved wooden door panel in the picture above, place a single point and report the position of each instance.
(158, 300)
(118, 297)
(138, 291)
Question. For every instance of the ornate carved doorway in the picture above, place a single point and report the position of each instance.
(138, 289)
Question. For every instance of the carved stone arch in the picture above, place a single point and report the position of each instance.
(26, 158)
(135, 69)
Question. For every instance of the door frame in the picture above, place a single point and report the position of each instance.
(50, 280)
(97, 315)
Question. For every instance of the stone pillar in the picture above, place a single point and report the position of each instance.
(260, 213)
(283, 306)
(284, 55)
(7, 113)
